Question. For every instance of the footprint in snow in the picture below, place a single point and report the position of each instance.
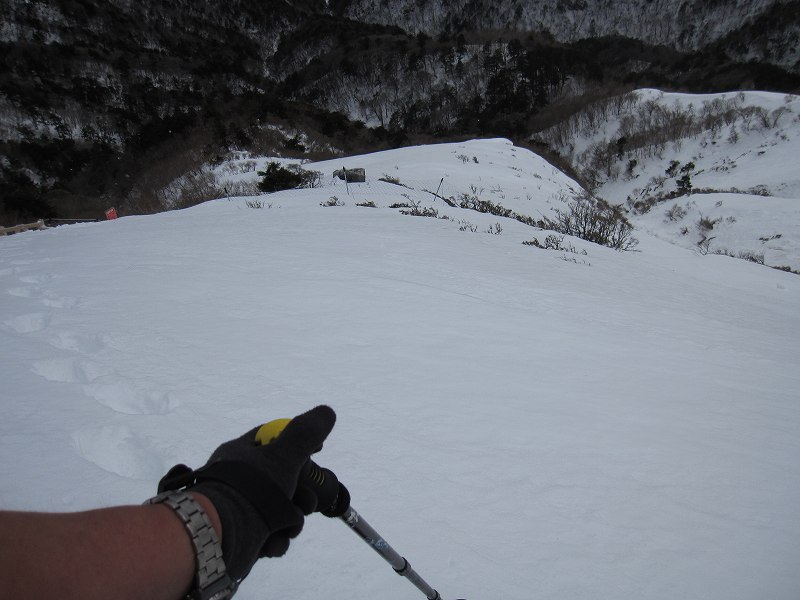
(69, 370)
(52, 300)
(30, 323)
(131, 400)
(120, 450)
(67, 340)
(46, 297)
(20, 292)
(36, 279)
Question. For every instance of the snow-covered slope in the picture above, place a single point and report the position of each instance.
(520, 423)
(738, 150)
(742, 140)
(755, 29)
(493, 169)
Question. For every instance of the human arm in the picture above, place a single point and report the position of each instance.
(246, 489)
(121, 552)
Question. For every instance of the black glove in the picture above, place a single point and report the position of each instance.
(252, 487)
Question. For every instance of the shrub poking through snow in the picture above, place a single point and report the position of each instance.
(594, 220)
(276, 178)
(390, 179)
(756, 257)
(257, 204)
(676, 213)
(472, 202)
(555, 242)
(464, 225)
(706, 224)
(415, 210)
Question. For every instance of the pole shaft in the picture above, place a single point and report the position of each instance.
(401, 566)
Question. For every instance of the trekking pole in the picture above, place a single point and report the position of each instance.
(400, 565)
(331, 498)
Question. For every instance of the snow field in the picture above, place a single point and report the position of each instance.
(516, 425)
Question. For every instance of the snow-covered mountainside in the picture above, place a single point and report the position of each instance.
(713, 173)
(108, 102)
(716, 172)
(682, 25)
(519, 422)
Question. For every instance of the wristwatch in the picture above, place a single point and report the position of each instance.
(211, 581)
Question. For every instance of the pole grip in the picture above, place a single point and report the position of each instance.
(318, 488)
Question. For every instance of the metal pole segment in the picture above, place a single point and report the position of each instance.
(401, 566)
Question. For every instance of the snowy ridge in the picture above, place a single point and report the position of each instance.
(518, 424)
(493, 169)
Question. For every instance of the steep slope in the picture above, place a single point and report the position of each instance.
(681, 25)
(714, 172)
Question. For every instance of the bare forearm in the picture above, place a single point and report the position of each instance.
(122, 552)
(249, 485)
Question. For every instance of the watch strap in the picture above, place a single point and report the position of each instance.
(211, 580)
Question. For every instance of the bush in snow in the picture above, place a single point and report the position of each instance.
(706, 224)
(390, 179)
(595, 220)
(472, 202)
(676, 213)
(465, 225)
(555, 242)
(787, 268)
(276, 178)
(415, 210)
(257, 204)
(756, 257)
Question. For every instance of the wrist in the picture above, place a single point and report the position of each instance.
(211, 511)
(211, 581)
(243, 528)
